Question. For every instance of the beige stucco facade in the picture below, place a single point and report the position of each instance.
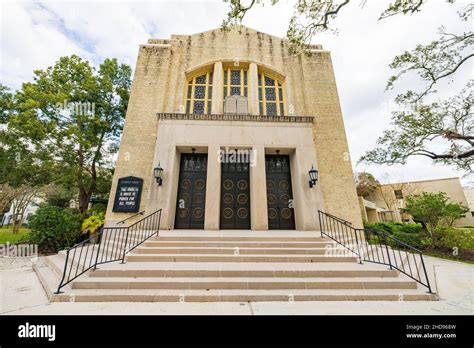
(469, 193)
(387, 206)
(311, 132)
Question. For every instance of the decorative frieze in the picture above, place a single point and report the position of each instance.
(235, 117)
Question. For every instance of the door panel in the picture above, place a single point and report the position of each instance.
(191, 202)
(235, 196)
(279, 193)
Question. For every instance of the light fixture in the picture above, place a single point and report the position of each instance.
(278, 162)
(158, 171)
(313, 176)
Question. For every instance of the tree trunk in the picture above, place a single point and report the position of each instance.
(20, 206)
(422, 223)
(84, 197)
(17, 225)
(14, 217)
(14, 224)
(86, 193)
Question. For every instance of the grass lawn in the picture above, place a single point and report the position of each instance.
(6, 235)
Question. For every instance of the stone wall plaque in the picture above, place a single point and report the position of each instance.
(236, 104)
(128, 194)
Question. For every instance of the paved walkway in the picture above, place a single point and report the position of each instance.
(22, 293)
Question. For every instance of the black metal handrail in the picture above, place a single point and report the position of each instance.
(130, 217)
(376, 246)
(338, 218)
(110, 244)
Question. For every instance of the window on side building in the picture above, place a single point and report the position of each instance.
(398, 194)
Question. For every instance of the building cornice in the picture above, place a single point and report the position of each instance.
(235, 117)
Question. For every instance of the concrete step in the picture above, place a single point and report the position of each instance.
(242, 238)
(56, 263)
(233, 244)
(48, 278)
(210, 266)
(239, 269)
(213, 283)
(152, 295)
(233, 251)
(133, 257)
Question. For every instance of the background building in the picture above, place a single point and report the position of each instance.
(385, 203)
(469, 193)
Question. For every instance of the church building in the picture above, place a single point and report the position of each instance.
(228, 130)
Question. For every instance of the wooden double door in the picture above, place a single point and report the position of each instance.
(191, 202)
(279, 194)
(235, 196)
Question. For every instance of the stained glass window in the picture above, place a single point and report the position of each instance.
(234, 90)
(235, 77)
(201, 80)
(269, 81)
(271, 109)
(198, 107)
(270, 94)
(271, 98)
(235, 82)
(199, 94)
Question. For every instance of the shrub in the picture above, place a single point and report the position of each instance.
(411, 234)
(416, 240)
(53, 228)
(98, 208)
(395, 227)
(380, 226)
(461, 238)
(434, 208)
(411, 229)
(93, 223)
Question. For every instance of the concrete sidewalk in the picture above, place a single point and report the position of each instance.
(21, 293)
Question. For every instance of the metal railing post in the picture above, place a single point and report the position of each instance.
(426, 273)
(358, 246)
(64, 274)
(386, 248)
(320, 224)
(159, 224)
(125, 245)
(98, 248)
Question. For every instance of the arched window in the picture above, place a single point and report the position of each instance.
(199, 94)
(271, 99)
(235, 82)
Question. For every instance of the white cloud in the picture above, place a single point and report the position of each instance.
(29, 42)
(35, 34)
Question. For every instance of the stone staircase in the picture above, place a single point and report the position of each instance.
(243, 266)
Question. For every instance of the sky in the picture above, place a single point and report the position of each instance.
(34, 34)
